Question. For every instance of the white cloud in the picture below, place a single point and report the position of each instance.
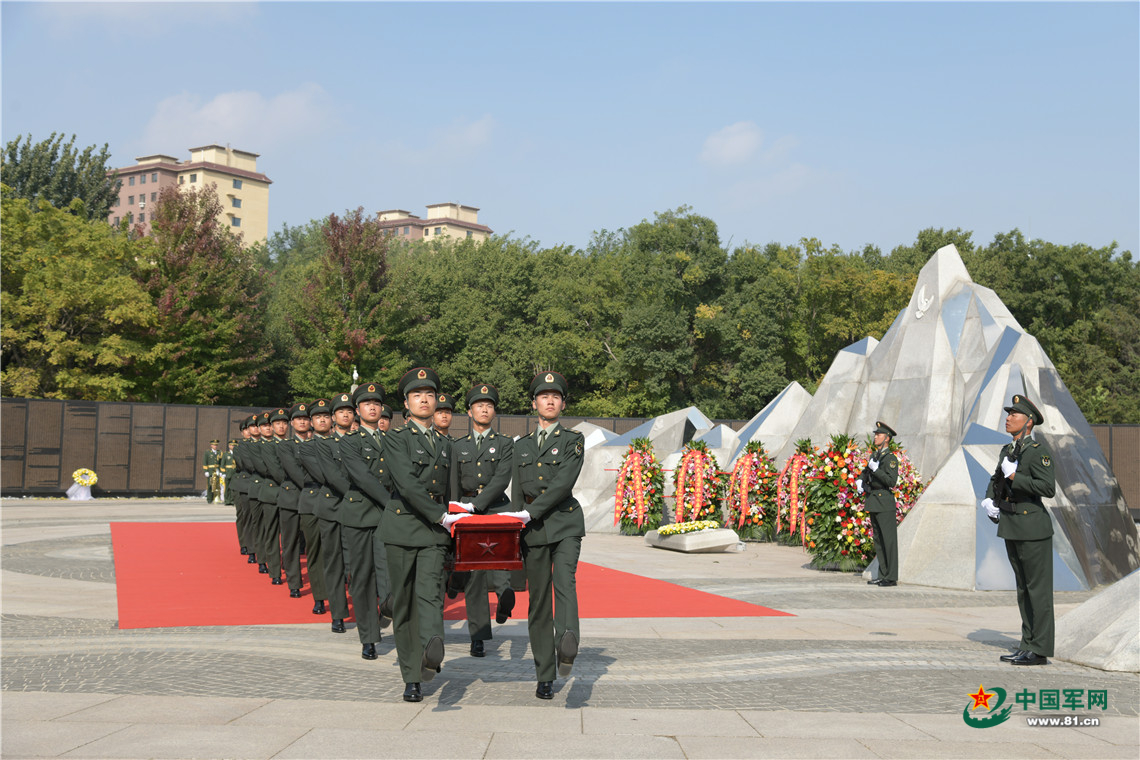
(245, 119)
(734, 145)
(462, 140)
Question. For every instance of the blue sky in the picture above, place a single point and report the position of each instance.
(853, 123)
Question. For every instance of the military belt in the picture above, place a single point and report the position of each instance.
(473, 493)
(312, 484)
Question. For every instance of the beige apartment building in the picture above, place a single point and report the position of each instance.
(444, 220)
(243, 191)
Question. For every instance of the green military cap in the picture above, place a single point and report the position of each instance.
(234, 441)
(445, 401)
(1026, 407)
(484, 392)
(882, 427)
(367, 392)
(343, 401)
(253, 420)
(299, 410)
(263, 418)
(385, 411)
(215, 442)
(548, 381)
(243, 423)
(420, 377)
(320, 406)
(279, 414)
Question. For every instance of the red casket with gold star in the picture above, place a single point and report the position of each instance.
(487, 542)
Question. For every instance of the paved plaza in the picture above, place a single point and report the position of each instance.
(858, 672)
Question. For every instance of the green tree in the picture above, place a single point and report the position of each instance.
(56, 172)
(210, 294)
(75, 319)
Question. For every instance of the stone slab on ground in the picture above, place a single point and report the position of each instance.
(698, 542)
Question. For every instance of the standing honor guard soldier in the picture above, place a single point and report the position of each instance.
(239, 489)
(256, 485)
(211, 463)
(363, 498)
(444, 411)
(271, 491)
(385, 422)
(1024, 476)
(877, 482)
(288, 497)
(480, 474)
(546, 467)
(416, 531)
(314, 493)
(229, 470)
(328, 516)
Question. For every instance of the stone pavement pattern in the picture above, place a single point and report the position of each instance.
(859, 672)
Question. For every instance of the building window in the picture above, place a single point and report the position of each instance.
(154, 197)
(469, 234)
(130, 200)
(142, 217)
(237, 202)
(438, 230)
(193, 178)
(237, 184)
(142, 179)
(181, 180)
(236, 221)
(116, 221)
(131, 181)
(154, 176)
(407, 230)
(130, 218)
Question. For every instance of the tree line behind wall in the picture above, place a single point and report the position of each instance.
(643, 320)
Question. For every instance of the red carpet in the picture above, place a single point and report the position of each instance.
(171, 575)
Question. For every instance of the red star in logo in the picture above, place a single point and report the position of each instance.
(981, 699)
(488, 547)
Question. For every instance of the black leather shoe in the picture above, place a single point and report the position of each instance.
(1012, 655)
(412, 693)
(545, 690)
(277, 582)
(433, 657)
(874, 582)
(319, 607)
(477, 648)
(567, 651)
(263, 568)
(244, 550)
(294, 593)
(1030, 658)
(506, 606)
(887, 584)
(252, 560)
(368, 651)
(337, 625)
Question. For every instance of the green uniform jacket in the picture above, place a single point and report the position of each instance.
(290, 491)
(271, 473)
(257, 464)
(314, 486)
(481, 477)
(358, 457)
(240, 483)
(878, 484)
(543, 485)
(1034, 480)
(421, 480)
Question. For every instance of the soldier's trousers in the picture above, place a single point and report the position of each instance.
(380, 563)
(334, 567)
(552, 583)
(1032, 563)
(884, 525)
(314, 560)
(416, 574)
(270, 540)
(362, 581)
(241, 520)
(475, 600)
(289, 523)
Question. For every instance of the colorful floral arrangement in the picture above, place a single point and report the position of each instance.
(839, 531)
(639, 501)
(909, 486)
(751, 494)
(85, 477)
(792, 494)
(675, 529)
(698, 484)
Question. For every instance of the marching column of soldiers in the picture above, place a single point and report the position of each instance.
(367, 504)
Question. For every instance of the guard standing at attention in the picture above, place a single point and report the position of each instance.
(444, 411)
(480, 474)
(328, 519)
(288, 516)
(229, 470)
(1023, 478)
(240, 488)
(211, 463)
(877, 482)
(546, 467)
(385, 421)
(313, 493)
(416, 531)
(260, 483)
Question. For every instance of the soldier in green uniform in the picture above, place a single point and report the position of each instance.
(289, 495)
(257, 482)
(363, 498)
(313, 493)
(876, 483)
(211, 464)
(385, 422)
(274, 476)
(546, 467)
(416, 531)
(328, 520)
(1014, 500)
(229, 470)
(444, 411)
(240, 489)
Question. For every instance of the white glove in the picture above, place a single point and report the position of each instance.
(1008, 467)
(991, 510)
(874, 465)
(859, 485)
(449, 520)
(524, 516)
(469, 508)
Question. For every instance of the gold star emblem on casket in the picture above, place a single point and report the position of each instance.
(488, 547)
